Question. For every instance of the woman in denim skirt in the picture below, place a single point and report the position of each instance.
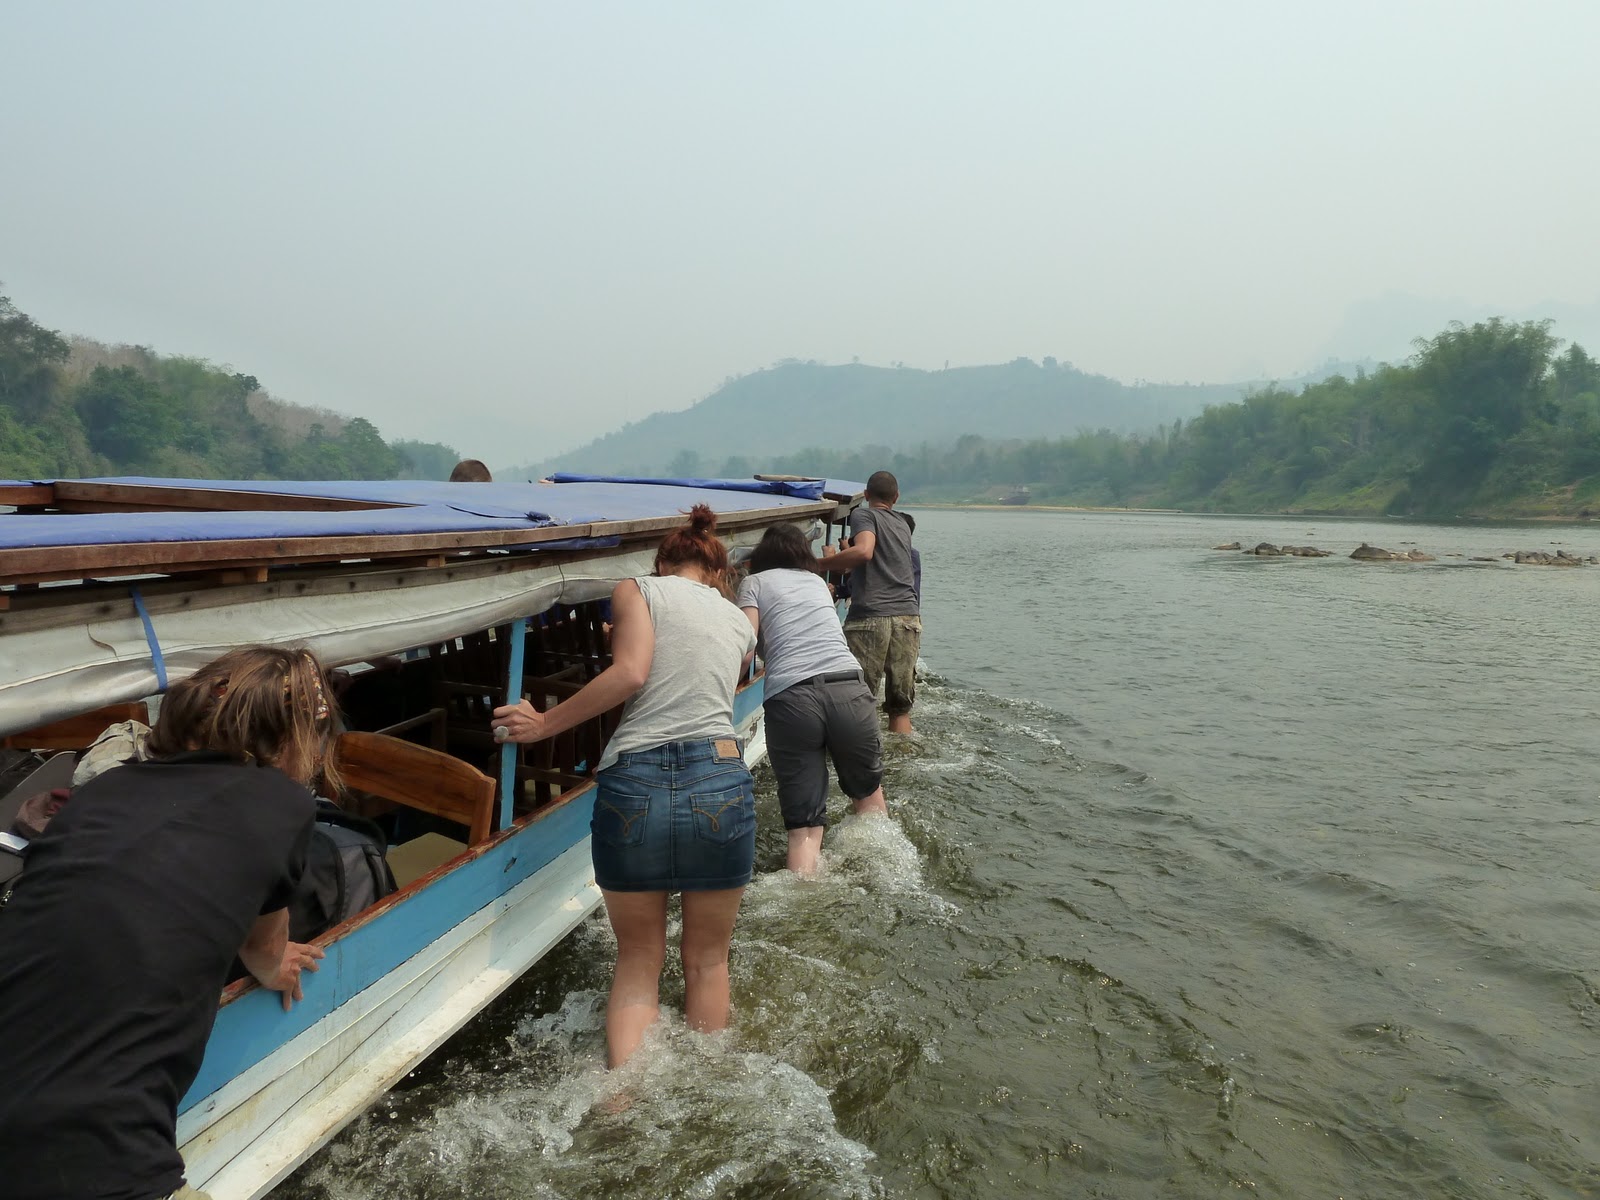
(674, 808)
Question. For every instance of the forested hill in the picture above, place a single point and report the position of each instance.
(796, 404)
(1494, 419)
(72, 408)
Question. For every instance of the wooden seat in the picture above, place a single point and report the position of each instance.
(79, 732)
(434, 719)
(419, 778)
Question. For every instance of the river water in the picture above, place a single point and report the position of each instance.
(1209, 875)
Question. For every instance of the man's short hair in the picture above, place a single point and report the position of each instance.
(883, 486)
(470, 470)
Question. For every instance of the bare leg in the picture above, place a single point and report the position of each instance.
(707, 929)
(874, 803)
(900, 723)
(640, 922)
(804, 846)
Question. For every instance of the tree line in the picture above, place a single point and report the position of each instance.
(1495, 418)
(76, 408)
(1488, 419)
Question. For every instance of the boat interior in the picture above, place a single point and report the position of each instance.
(415, 746)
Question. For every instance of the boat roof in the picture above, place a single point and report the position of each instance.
(348, 570)
(138, 524)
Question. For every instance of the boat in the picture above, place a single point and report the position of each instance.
(436, 601)
(1017, 495)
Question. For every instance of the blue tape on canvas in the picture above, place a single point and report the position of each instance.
(156, 657)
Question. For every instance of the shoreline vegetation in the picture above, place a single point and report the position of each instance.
(77, 408)
(1493, 421)
(1489, 422)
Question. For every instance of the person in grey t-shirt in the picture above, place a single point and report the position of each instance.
(884, 625)
(816, 703)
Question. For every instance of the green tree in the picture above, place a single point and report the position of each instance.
(128, 418)
(426, 460)
(685, 464)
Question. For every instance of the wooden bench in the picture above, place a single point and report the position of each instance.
(419, 778)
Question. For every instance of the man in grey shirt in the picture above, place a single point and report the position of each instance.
(884, 625)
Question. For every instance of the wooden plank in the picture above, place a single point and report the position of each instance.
(237, 575)
(73, 495)
(21, 494)
(76, 733)
(53, 563)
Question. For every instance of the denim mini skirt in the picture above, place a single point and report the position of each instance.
(675, 818)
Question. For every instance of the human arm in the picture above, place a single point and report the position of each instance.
(859, 551)
(633, 646)
(754, 616)
(273, 959)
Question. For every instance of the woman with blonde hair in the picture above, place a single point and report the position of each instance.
(674, 806)
(120, 933)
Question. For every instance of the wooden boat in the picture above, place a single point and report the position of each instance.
(440, 600)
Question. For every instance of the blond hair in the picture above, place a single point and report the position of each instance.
(256, 704)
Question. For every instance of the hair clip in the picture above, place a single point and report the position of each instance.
(320, 710)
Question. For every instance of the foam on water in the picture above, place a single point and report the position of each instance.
(689, 1115)
(746, 1113)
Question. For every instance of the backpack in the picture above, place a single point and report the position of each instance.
(345, 873)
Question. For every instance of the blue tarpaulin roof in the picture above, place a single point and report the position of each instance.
(428, 507)
(806, 489)
(810, 489)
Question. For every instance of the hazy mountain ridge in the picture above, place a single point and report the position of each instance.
(771, 412)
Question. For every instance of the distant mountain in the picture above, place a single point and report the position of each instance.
(793, 404)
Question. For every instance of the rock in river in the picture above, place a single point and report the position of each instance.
(1368, 553)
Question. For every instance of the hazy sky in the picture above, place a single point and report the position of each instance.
(511, 226)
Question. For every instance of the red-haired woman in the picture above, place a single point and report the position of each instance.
(674, 808)
(120, 933)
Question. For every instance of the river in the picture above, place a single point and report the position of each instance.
(1209, 875)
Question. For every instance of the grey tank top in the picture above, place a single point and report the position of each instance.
(701, 640)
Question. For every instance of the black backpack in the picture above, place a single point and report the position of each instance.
(345, 873)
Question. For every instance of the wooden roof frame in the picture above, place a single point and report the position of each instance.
(28, 565)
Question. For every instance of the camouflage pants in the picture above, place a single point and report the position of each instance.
(886, 648)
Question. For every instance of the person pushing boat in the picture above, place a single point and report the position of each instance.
(674, 806)
(817, 702)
